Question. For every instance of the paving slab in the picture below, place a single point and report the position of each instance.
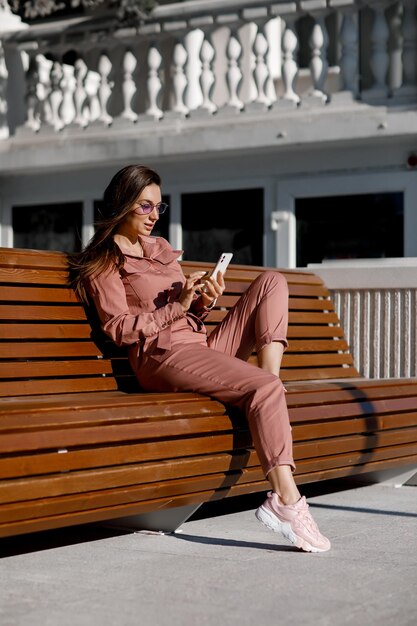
(223, 570)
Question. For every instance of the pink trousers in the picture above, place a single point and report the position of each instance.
(216, 366)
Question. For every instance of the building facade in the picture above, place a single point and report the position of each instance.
(285, 132)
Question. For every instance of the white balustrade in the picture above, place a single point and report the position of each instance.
(218, 57)
(207, 79)
(234, 73)
(105, 88)
(68, 92)
(32, 100)
(154, 82)
(4, 131)
(379, 60)
(43, 90)
(56, 96)
(129, 86)
(349, 59)
(92, 84)
(80, 93)
(318, 64)
(179, 78)
(261, 71)
(289, 63)
(409, 56)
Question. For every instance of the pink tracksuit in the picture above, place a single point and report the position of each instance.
(169, 349)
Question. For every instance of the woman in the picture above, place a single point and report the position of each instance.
(144, 301)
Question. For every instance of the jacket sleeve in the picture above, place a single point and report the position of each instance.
(108, 294)
(198, 308)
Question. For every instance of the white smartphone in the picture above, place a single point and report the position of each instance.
(221, 265)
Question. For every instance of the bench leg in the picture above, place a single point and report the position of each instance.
(166, 521)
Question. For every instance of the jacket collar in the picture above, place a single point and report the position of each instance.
(156, 248)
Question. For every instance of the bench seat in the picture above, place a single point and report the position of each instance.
(80, 443)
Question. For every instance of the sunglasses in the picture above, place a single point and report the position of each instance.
(145, 207)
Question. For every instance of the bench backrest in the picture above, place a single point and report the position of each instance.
(47, 344)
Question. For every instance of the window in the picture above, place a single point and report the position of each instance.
(348, 227)
(48, 226)
(223, 221)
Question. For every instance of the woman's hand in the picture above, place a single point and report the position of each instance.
(192, 284)
(214, 287)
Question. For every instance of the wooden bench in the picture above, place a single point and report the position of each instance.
(79, 443)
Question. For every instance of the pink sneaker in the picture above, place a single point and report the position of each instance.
(294, 521)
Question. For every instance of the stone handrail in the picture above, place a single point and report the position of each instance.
(207, 57)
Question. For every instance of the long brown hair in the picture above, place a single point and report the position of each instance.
(102, 252)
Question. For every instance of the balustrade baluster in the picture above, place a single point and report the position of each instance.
(80, 93)
(4, 127)
(44, 90)
(379, 53)
(68, 84)
(105, 88)
(55, 97)
(318, 64)
(395, 48)
(207, 79)
(289, 45)
(261, 71)
(179, 79)
(154, 83)
(349, 57)
(31, 96)
(92, 84)
(129, 86)
(409, 51)
(234, 73)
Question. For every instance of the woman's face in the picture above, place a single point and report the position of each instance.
(136, 223)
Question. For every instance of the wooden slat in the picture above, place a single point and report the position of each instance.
(313, 332)
(37, 294)
(90, 457)
(365, 407)
(150, 420)
(315, 360)
(32, 276)
(295, 304)
(321, 373)
(82, 400)
(37, 312)
(333, 427)
(61, 385)
(311, 394)
(59, 330)
(24, 257)
(53, 369)
(314, 318)
(48, 349)
(295, 317)
(97, 435)
(311, 345)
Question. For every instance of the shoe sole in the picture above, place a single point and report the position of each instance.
(273, 523)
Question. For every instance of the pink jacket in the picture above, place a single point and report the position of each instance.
(139, 304)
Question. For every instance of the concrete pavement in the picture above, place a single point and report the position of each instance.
(223, 570)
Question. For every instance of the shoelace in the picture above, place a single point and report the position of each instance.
(304, 516)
